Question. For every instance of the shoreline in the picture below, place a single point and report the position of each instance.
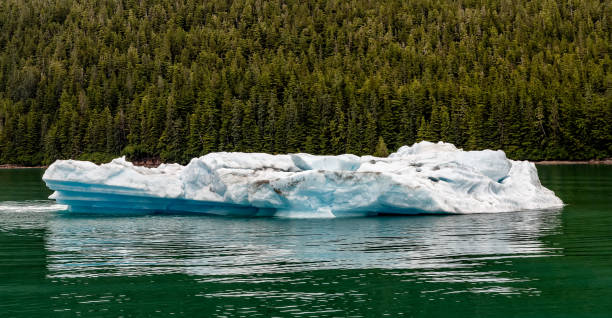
(142, 163)
(150, 164)
(607, 161)
(13, 166)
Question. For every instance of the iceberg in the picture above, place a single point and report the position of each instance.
(425, 178)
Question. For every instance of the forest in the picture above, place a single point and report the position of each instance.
(170, 80)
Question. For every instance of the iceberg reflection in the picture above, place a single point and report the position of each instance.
(447, 249)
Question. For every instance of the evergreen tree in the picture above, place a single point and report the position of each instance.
(381, 148)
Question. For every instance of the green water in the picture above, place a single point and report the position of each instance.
(526, 264)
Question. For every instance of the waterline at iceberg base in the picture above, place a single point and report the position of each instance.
(419, 179)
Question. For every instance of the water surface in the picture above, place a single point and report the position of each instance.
(555, 263)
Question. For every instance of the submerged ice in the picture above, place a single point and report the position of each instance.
(423, 178)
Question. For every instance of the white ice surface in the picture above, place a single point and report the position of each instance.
(423, 178)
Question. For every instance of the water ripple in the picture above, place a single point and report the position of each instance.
(208, 246)
(31, 206)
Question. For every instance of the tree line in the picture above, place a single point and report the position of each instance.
(177, 79)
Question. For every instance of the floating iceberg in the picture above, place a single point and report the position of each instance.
(419, 179)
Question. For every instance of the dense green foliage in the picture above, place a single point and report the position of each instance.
(177, 79)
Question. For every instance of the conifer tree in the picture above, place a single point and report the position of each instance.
(423, 132)
(381, 148)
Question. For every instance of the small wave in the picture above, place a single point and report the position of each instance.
(31, 206)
